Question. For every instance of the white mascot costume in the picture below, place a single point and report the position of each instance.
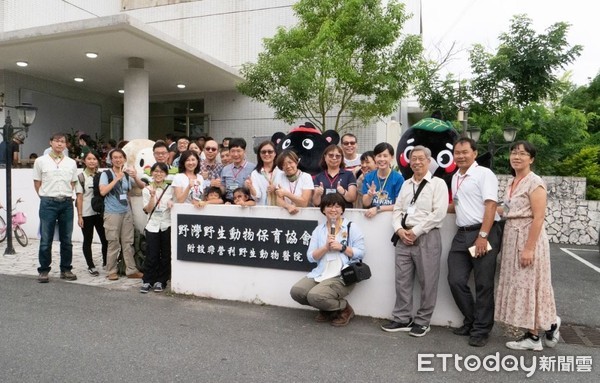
(140, 157)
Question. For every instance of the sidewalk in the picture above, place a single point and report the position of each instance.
(25, 262)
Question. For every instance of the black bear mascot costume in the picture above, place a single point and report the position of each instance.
(437, 135)
(308, 143)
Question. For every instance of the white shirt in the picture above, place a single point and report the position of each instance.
(182, 181)
(470, 191)
(304, 182)
(161, 218)
(428, 211)
(57, 177)
(87, 191)
(260, 181)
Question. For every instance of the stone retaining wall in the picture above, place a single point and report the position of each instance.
(570, 218)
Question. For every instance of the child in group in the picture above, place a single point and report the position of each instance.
(242, 197)
(224, 155)
(214, 196)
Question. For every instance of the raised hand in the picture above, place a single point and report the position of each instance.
(319, 190)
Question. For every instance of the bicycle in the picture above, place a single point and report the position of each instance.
(18, 218)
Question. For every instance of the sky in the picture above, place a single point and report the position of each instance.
(468, 22)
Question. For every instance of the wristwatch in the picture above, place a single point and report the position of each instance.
(343, 249)
(483, 234)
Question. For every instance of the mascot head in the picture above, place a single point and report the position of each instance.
(308, 143)
(439, 137)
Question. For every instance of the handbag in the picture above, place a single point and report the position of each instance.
(355, 271)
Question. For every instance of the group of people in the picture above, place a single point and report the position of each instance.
(523, 297)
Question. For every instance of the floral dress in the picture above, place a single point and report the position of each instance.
(524, 295)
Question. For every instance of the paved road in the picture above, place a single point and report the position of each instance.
(64, 331)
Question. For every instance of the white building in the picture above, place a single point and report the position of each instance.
(146, 48)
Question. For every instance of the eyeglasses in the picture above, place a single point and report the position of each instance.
(210, 149)
(161, 153)
(267, 151)
(334, 156)
(418, 159)
(346, 143)
(520, 154)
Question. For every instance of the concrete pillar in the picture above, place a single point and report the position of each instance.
(136, 100)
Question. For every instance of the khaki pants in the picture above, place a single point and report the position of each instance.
(327, 295)
(119, 235)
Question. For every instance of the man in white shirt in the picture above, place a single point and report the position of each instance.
(54, 177)
(418, 213)
(474, 200)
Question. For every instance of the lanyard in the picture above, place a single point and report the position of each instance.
(235, 175)
(270, 178)
(381, 188)
(293, 191)
(330, 179)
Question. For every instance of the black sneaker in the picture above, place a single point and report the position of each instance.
(145, 288)
(68, 275)
(478, 341)
(419, 330)
(463, 330)
(93, 272)
(394, 326)
(158, 287)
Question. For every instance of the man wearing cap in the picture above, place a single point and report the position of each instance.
(5, 150)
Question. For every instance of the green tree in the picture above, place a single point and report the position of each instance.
(585, 163)
(587, 99)
(345, 59)
(523, 70)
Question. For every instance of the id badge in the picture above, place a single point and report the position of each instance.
(455, 200)
(233, 186)
(330, 191)
(410, 210)
(123, 197)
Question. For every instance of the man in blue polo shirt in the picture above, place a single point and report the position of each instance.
(234, 174)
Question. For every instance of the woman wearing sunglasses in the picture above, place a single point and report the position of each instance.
(334, 178)
(262, 179)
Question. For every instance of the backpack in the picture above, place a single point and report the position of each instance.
(97, 198)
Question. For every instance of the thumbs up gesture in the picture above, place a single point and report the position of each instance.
(340, 189)
(319, 190)
(280, 191)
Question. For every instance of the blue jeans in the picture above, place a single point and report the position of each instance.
(53, 211)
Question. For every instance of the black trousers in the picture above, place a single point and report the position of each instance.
(157, 266)
(478, 310)
(89, 223)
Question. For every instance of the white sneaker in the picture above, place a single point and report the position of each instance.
(552, 336)
(526, 343)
